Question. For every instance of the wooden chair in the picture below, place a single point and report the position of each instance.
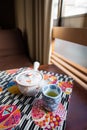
(78, 36)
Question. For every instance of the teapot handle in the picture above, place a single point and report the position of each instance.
(36, 65)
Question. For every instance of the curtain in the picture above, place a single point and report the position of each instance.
(34, 18)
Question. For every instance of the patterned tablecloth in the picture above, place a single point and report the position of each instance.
(32, 115)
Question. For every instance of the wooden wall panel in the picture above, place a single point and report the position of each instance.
(77, 35)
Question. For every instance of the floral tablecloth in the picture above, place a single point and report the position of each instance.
(32, 115)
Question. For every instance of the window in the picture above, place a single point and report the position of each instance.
(74, 7)
(55, 9)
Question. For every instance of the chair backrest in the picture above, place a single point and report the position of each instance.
(67, 38)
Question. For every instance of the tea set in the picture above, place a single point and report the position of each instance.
(30, 82)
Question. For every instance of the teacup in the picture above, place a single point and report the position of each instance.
(51, 95)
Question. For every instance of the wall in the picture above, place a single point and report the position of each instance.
(20, 14)
(7, 14)
(78, 21)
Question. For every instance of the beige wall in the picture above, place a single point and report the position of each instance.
(78, 21)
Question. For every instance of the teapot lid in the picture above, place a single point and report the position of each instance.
(29, 78)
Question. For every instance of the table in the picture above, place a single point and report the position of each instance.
(77, 111)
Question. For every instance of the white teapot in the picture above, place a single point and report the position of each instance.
(29, 81)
